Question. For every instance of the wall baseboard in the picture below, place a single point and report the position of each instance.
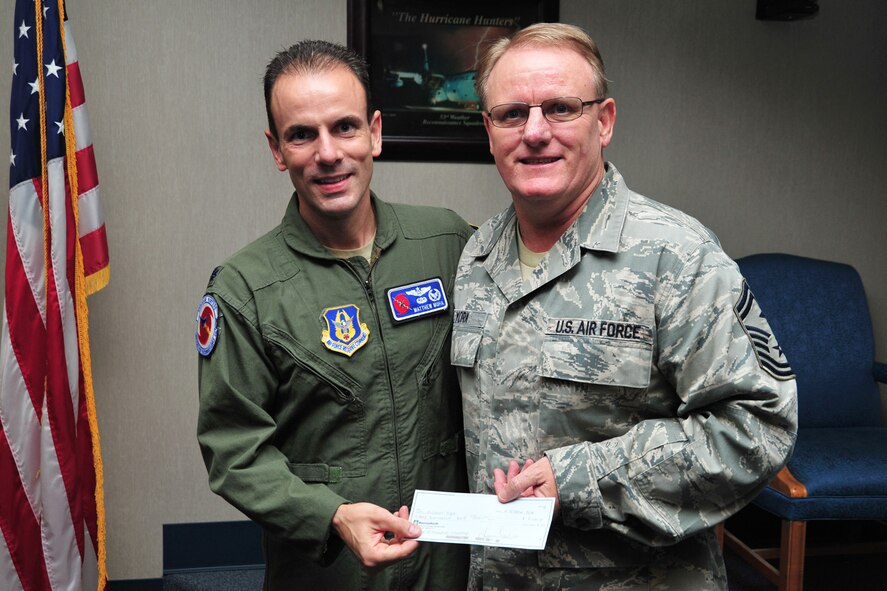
(136, 585)
(220, 545)
(203, 547)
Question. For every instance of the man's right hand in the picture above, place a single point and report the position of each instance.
(364, 526)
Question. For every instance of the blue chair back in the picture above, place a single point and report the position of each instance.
(819, 314)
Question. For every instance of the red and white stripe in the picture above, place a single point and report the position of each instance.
(93, 239)
(48, 508)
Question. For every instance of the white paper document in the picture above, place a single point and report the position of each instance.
(462, 518)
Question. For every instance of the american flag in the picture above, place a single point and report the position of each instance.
(51, 500)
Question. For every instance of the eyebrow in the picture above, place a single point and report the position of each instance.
(297, 127)
(353, 120)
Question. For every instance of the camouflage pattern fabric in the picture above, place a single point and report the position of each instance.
(626, 360)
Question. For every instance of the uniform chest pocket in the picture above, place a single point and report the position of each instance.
(597, 360)
(463, 354)
(466, 341)
(320, 414)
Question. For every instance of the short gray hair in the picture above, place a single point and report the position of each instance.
(544, 35)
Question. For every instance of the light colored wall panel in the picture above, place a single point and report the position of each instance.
(772, 134)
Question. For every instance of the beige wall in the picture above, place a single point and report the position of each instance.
(772, 134)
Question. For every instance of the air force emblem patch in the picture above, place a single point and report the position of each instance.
(767, 350)
(207, 325)
(408, 302)
(344, 333)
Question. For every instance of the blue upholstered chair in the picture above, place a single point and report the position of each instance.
(818, 312)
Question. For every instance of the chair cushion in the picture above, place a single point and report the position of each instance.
(844, 470)
(819, 314)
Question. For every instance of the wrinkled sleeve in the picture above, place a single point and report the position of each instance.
(235, 430)
(734, 425)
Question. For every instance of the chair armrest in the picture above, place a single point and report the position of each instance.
(880, 372)
(786, 483)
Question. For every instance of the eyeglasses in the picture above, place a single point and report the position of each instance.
(556, 110)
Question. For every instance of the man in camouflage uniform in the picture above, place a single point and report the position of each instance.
(608, 342)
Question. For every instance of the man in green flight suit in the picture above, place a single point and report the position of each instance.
(326, 396)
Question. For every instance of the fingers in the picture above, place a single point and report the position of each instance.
(514, 488)
(528, 492)
(501, 479)
(515, 483)
(535, 479)
(393, 526)
(400, 525)
(374, 535)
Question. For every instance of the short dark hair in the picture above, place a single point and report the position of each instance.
(312, 56)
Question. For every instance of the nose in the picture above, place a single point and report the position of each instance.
(537, 129)
(327, 149)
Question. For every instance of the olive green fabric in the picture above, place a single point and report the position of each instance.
(290, 429)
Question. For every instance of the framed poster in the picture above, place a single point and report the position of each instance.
(422, 56)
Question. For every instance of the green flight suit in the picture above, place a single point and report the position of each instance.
(290, 429)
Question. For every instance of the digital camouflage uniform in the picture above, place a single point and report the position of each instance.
(290, 428)
(626, 359)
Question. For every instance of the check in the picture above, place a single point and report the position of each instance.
(462, 518)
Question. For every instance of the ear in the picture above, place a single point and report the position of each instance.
(376, 133)
(275, 150)
(606, 121)
(488, 126)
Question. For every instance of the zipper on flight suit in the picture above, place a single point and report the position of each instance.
(371, 297)
(370, 293)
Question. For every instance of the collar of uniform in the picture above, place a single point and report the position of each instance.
(299, 236)
(481, 242)
(599, 227)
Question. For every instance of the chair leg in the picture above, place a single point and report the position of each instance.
(791, 555)
(719, 534)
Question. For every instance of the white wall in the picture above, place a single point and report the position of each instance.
(773, 134)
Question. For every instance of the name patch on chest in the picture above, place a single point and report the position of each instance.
(611, 329)
(472, 318)
(415, 300)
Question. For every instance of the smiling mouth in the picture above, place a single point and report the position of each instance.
(538, 160)
(332, 180)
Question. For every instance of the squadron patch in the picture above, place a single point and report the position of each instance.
(412, 301)
(344, 333)
(767, 350)
(207, 325)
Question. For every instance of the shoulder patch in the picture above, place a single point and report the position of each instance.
(767, 350)
(212, 276)
(207, 325)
